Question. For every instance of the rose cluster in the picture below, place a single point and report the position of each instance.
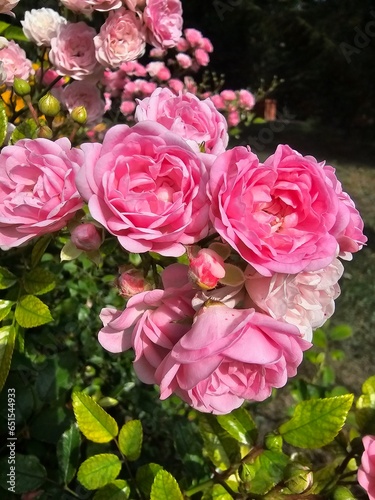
(263, 241)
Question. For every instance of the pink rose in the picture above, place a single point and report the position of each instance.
(37, 189)
(86, 237)
(201, 57)
(163, 19)
(246, 99)
(105, 5)
(182, 45)
(207, 45)
(48, 77)
(218, 101)
(130, 282)
(366, 471)
(147, 187)
(121, 39)
(194, 37)
(305, 299)
(228, 95)
(279, 215)
(206, 267)
(15, 62)
(73, 51)
(159, 70)
(242, 355)
(127, 107)
(194, 120)
(184, 60)
(176, 85)
(80, 6)
(152, 322)
(233, 118)
(6, 7)
(135, 4)
(87, 95)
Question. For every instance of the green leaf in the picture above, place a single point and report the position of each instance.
(239, 425)
(365, 414)
(3, 26)
(145, 477)
(7, 341)
(118, 490)
(220, 493)
(26, 130)
(39, 281)
(99, 470)
(130, 439)
(265, 472)
(39, 248)
(368, 386)
(3, 123)
(220, 447)
(68, 453)
(5, 308)
(31, 312)
(15, 33)
(7, 279)
(94, 422)
(341, 332)
(317, 422)
(29, 473)
(320, 338)
(165, 487)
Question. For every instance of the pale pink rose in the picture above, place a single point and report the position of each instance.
(6, 6)
(157, 53)
(80, 6)
(246, 99)
(176, 85)
(184, 60)
(366, 471)
(135, 4)
(147, 88)
(242, 355)
(37, 189)
(105, 5)
(48, 77)
(87, 95)
(167, 311)
(348, 228)
(73, 51)
(182, 45)
(147, 187)
(206, 268)
(86, 237)
(190, 85)
(159, 70)
(121, 38)
(130, 282)
(163, 19)
(228, 95)
(278, 215)
(194, 37)
(305, 299)
(15, 63)
(194, 120)
(233, 118)
(202, 57)
(41, 25)
(133, 68)
(127, 107)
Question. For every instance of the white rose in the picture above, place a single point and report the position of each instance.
(7, 5)
(41, 25)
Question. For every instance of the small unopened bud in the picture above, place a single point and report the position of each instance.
(86, 237)
(206, 268)
(49, 105)
(45, 132)
(342, 493)
(79, 115)
(130, 282)
(299, 478)
(21, 87)
(273, 442)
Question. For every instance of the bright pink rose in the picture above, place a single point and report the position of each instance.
(348, 228)
(121, 39)
(73, 51)
(242, 355)
(131, 281)
(15, 62)
(163, 19)
(127, 107)
(228, 95)
(184, 60)
(182, 45)
(194, 120)
(366, 471)
(86, 237)
(6, 7)
(152, 322)
(38, 194)
(201, 57)
(194, 37)
(87, 95)
(233, 118)
(279, 215)
(147, 187)
(105, 5)
(207, 45)
(305, 299)
(80, 6)
(246, 99)
(218, 101)
(206, 268)
(48, 77)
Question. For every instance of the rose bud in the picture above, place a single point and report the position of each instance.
(49, 105)
(206, 268)
(86, 237)
(130, 282)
